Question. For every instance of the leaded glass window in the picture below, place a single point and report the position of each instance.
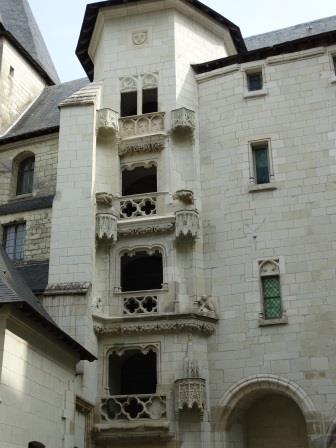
(272, 297)
(14, 238)
(261, 164)
(25, 177)
(254, 81)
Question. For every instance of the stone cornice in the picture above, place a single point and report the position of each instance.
(67, 289)
(165, 323)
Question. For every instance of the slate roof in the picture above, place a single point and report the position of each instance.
(35, 275)
(27, 205)
(14, 291)
(292, 33)
(43, 116)
(18, 20)
(91, 14)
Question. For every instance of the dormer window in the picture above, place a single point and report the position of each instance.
(25, 176)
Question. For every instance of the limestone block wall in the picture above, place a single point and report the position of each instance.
(19, 85)
(295, 222)
(45, 150)
(38, 222)
(37, 397)
(38, 229)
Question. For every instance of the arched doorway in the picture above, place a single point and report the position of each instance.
(267, 412)
(275, 421)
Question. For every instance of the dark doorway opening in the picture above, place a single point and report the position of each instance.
(142, 271)
(139, 180)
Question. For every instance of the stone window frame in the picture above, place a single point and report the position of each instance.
(120, 349)
(138, 83)
(17, 161)
(332, 62)
(253, 186)
(251, 68)
(127, 165)
(14, 223)
(150, 249)
(278, 263)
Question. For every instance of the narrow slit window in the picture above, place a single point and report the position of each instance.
(25, 178)
(11, 71)
(334, 62)
(139, 180)
(149, 101)
(129, 104)
(254, 81)
(272, 297)
(261, 162)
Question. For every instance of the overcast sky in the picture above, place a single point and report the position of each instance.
(60, 22)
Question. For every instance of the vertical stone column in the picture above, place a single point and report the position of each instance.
(3, 326)
(73, 222)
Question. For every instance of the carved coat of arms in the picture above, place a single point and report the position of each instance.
(139, 37)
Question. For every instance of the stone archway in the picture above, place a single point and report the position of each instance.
(260, 395)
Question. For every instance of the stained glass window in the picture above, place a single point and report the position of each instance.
(272, 297)
(14, 238)
(25, 176)
(261, 164)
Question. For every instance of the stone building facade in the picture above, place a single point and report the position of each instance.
(175, 214)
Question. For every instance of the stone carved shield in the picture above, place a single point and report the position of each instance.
(139, 37)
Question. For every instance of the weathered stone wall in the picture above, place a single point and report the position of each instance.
(38, 222)
(295, 222)
(17, 89)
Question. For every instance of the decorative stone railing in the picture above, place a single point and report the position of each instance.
(134, 407)
(187, 224)
(190, 393)
(142, 304)
(138, 206)
(107, 121)
(142, 125)
(183, 118)
(106, 227)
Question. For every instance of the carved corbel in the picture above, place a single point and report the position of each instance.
(183, 119)
(106, 228)
(187, 224)
(107, 121)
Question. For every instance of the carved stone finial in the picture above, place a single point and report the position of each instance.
(183, 118)
(106, 227)
(107, 121)
(185, 196)
(187, 224)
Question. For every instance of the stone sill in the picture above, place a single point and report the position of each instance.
(21, 197)
(333, 79)
(146, 430)
(271, 322)
(255, 93)
(148, 292)
(256, 188)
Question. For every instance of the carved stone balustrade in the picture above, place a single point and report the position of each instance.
(183, 119)
(143, 304)
(107, 121)
(138, 206)
(140, 125)
(187, 224)
(190, 393)
(106, 227)
(133, 407)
